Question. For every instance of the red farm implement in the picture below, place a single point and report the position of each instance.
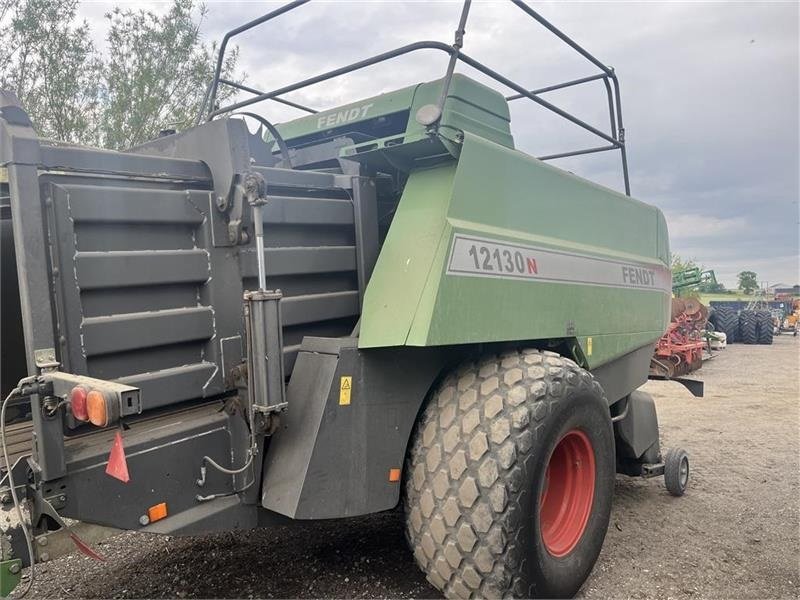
(680, 350)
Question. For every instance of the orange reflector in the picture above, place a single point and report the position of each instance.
(96, 408)
(157, 512)
(394, 474)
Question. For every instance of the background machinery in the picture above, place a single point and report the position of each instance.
(791, 322)
(680, 350)
(753, 321)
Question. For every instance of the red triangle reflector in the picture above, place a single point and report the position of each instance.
(85, 548)
(117, 465)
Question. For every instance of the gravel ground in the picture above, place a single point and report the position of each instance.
(736, 533)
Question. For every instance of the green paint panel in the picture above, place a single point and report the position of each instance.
(400, 276)
(470, 106)
(500, 194)
(8, 578)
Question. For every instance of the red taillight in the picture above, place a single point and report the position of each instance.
(77, 402)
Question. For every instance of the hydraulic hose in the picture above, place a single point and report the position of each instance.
(17, 391)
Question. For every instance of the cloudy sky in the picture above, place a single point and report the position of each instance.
(709, 92)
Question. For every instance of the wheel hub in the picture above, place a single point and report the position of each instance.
(568, 494)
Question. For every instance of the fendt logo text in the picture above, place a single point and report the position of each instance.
(343, 116)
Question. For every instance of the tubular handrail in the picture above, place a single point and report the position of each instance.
(564, 37)
(521, 90)
(211, 97)
(616, 138)
(458, 42)
(609, 71)
(559, 86)
(432, 45)
(246, 88)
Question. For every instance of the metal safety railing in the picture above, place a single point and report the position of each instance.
(615, 138)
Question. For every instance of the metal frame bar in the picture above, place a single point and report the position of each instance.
(31, 228)
(458, 42)
(211, 94)
(609, 73)
(559, 86)
(246, 88)
(616, 139)
(332, 74)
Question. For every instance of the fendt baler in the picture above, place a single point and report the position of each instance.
(384, 303)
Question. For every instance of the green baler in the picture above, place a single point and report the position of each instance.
(474, 218)
(389, 301)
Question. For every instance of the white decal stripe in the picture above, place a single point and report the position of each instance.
(472, 256)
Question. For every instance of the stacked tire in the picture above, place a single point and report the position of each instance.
(764, 327)
(726, 321)
(748, 327)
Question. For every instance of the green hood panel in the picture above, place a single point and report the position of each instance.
(587, 235)
(470, 106)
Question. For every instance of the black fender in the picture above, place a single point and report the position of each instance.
(636, 433)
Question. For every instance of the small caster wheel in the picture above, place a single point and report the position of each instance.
(676, 471)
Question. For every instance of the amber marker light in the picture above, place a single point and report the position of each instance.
(97, 408)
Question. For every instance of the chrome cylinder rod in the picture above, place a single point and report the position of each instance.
(261, 261)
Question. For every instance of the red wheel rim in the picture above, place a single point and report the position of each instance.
(568, 493)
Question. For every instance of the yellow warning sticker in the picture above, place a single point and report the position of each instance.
(345, 385)
(588, 346)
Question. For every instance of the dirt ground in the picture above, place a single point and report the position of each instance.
(735, 534)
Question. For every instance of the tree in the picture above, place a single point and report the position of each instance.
(153, 76)
(706, 286)
(157, 72)
(53, 67)
(711, 287)
(748, 281)
(678, 264)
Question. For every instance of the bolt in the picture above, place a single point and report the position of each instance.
(42, 541)
(5, 499)
(62, 498)
(144, 520)
(44, 557)
(14, 569)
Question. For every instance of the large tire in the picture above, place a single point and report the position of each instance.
(727, 322)
(476, 473)
(748, 327)
(713, 321)
(764, 327)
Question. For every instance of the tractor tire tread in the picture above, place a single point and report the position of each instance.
(463, 471)
(748, 327)
(727, 323)
(764, 327)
